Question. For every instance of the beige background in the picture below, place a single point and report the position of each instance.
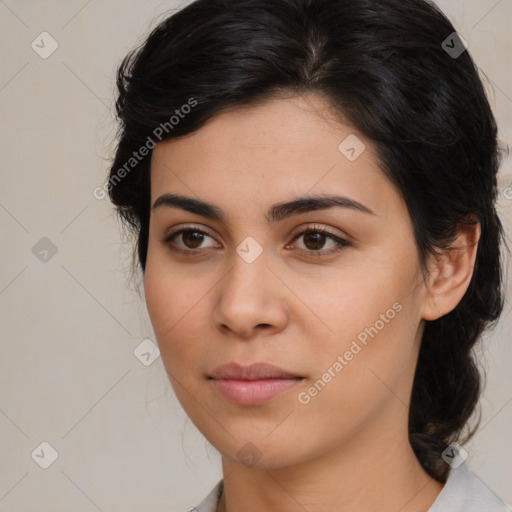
(68, 374)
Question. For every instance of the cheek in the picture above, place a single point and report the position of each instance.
(176, 310)
(170, 295)
(166, 303)
(352, 302)
(360, 372)
(372, 318)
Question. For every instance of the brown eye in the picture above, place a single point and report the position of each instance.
(315, 239)
(191, 240)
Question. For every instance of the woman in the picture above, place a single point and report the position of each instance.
(312, 187)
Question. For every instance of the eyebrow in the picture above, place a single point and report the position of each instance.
(276, 212)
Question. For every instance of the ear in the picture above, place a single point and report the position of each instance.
(451, 273)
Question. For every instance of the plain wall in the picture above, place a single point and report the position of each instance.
(69, 326)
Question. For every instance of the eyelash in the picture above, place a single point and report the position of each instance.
(341, 243)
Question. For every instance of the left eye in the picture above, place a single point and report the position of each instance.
(315, 239)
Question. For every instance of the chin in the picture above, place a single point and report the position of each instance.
(259, 451)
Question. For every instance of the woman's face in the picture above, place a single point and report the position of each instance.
(249, 286)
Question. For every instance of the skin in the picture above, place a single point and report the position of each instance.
(347, 448)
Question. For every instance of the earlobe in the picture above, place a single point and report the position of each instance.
(452, 271)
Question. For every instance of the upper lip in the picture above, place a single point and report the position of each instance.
(253, 371)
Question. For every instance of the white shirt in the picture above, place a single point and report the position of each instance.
(463, 492)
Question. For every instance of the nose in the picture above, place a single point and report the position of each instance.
(249, 300)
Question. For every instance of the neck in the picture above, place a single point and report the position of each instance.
(375, 470)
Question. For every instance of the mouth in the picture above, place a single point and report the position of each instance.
(254, 384)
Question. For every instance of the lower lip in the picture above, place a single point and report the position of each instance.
(253, 392)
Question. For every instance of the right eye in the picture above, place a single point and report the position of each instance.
(191, 239)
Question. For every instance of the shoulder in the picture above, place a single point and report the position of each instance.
(465, 492)
(210, 502)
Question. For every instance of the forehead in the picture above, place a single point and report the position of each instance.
(302, 124)
(284, 148)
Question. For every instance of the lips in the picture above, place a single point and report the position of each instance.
(254, 371)
(254, 384)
